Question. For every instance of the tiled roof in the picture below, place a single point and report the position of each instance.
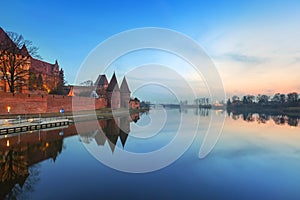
(42, 67)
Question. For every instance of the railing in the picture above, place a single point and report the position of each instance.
(19, 120)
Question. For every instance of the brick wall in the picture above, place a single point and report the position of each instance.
(33, 104)
(56, 102)
(22, 103)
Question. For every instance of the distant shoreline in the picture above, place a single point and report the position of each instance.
(186, 106)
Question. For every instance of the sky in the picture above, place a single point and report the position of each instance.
(255, 45)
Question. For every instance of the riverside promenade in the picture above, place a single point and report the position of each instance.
(10, 126)
(17, 124)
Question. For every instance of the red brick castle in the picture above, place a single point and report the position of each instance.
(35, 80)
(40, 76)
(116, 97)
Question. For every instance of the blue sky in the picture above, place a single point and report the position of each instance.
(254, 44)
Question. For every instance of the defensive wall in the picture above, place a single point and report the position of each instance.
(34, 104)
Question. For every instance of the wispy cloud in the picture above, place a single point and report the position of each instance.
(257, 57)
(245, 58)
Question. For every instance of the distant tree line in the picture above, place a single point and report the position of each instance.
(278, 99)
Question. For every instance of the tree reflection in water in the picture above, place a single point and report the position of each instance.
(19, 160)
(263, 118)
(21, 154)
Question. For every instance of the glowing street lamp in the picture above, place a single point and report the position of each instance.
(8, 109)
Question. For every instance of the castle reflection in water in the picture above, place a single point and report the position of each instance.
(19, 153)
(110, 131)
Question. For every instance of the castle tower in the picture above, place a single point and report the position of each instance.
(125, 94)
(101, 85)
(113, 93)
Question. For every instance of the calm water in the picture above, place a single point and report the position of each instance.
(257, 156)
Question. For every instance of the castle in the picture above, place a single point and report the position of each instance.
(21, 73)
(34, 75)
(116, 97)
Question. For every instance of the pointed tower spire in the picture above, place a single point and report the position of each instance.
(124, 86)
(113, 84)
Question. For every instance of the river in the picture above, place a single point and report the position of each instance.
(255, 157)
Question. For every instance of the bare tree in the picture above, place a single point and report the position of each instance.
(87, 83)
(15, 54)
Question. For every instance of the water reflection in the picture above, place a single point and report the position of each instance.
(203, 112)
(235, 157)
(262, 118)
(111, 130)
(21, 153)
(25, 150)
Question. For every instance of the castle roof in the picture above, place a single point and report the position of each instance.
(43, 67)
(6, 43)
(3, 35)
(124, 86)
(113, 84)
(39, 66)
(4, 38)
(101, 80)
(24, 51)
